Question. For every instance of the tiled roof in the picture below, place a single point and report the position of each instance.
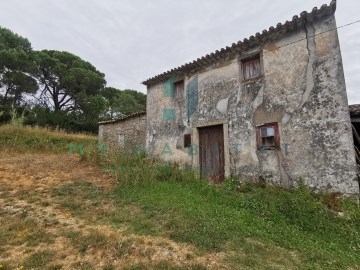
(259, 38)
(354, 110)
(122, 119)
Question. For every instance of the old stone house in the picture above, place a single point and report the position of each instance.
(125, 133)
(271, 107)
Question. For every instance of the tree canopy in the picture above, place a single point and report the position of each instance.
(58, 88)
(10, 40)
(122, 103)
(16, 68)
(63, 76)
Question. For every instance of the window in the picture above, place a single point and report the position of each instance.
(187, 140)
(251, 68)
(268, 136)
(121, 140)
(179, 89)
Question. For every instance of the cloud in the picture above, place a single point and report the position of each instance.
(132, 40)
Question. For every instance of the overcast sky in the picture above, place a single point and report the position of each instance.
(132, 40)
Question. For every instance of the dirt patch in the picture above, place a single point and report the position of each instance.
(38, 233)
(46, 170)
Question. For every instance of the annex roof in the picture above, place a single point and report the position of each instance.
(122, 119)
(259, 38)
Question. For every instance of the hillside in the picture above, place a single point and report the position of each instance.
(96, 211)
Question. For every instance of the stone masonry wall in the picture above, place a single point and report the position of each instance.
(302, 88)
(129, 134)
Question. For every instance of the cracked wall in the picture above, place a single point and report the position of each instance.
(302, 88)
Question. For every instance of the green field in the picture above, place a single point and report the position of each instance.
(242, 226)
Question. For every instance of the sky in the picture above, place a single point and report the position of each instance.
(133, 40)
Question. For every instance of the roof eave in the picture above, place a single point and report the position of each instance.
(122, 119)
(247, 43)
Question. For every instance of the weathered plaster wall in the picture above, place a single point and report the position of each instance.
(126, 134)
(166, 124)
(302, 88)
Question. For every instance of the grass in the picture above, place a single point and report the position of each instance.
(164, 265)
(174, 203)
(18, 229)
(217, 220)
(252, 226)
(37, 259)
(97, 240)
(93, 239)
(36, 139)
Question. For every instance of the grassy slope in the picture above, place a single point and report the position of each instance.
(214, 219)
(29, 139)
(256, 228)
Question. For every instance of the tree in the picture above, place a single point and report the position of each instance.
(92, 107)
(128, 102)
(10, 40)
(63, 76)
(111, 95)
(15, 75)
(123, 102)
(69, 92)
(16, 67)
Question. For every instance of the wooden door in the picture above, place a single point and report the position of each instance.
(211, 146)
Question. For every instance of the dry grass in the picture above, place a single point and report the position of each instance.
(34, 139)
(52, 218)
(61, 212)
(41, 131)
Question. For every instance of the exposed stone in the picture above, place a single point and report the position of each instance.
(125, 133)
(301, 88)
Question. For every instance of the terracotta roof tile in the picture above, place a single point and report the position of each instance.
(257, 39)
(122, 119)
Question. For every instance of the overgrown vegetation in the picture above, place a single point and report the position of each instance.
(36, 139)
(252, 226)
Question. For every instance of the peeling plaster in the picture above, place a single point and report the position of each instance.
(284, 175)
(259, 98)
(311, 47)
(302, 89)
(239, 95)
(222, 105)
(286, 119)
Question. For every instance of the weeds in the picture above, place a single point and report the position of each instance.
(30, 139)
(134, 170)
(95, 239)
(37, 259)
(16, 120)
(19, 229)
(213, 218)
(175, 203)
(254, 226)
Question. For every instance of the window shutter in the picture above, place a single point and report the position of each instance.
(258, 138)
(179, 89)
(277, 135)
(251, 68)
(187, 140)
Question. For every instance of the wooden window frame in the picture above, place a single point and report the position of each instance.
(247, 59)
(276, 136)
(187, 140)
(176, 94)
